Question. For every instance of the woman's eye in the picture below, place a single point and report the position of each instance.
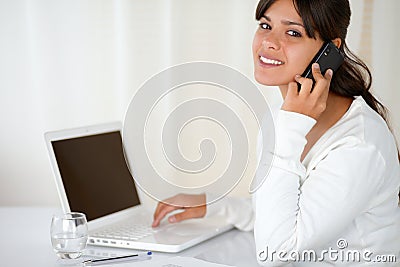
(265, 26)
(294, 33)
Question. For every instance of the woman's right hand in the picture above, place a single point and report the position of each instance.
(193, 206)
(309, 102)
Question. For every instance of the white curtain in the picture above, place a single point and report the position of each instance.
(69, 63)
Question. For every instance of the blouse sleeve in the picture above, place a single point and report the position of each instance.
(238, 211)
(293, 217)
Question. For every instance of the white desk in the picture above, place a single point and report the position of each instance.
(25, 241)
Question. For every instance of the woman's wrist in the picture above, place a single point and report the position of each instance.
(291, 131)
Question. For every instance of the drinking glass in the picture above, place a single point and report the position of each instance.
(69, 234)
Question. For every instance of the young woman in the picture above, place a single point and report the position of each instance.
(336, 173)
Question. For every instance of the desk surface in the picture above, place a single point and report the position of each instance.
(25, 241)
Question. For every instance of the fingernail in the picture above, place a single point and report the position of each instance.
(315, 66)
(172, 219)
(297, 76)
(330, 72)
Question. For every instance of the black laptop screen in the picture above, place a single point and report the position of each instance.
(95, 175)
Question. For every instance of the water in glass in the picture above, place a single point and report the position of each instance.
(69, 234)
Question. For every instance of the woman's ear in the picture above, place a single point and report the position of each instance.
(337, 42)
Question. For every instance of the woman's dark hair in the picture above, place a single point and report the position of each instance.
(329, 19)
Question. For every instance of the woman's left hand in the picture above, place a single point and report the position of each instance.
(193, 206)
(310, 102)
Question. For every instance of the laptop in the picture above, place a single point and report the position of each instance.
(92, 177)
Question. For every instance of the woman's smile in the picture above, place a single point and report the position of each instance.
(270, 62)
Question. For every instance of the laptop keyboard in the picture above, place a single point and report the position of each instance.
(126, 231)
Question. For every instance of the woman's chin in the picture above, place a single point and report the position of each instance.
(269, 81)
(265, 81)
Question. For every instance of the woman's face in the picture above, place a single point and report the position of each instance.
(281, 47)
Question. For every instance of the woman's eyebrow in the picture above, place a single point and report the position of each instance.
(284, 21)
(289, 22)
(267, 18)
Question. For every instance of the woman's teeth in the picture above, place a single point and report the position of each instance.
(270, 61)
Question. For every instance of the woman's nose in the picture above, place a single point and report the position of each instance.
(270, 42)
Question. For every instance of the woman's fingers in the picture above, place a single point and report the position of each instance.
(306, 84)
(292, 90)
(312, 97)
(161, 211)
(157, 211)
(193, 206)
(187, 214)
(322, 82)
(316, 72)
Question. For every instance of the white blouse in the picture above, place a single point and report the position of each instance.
(339, 206)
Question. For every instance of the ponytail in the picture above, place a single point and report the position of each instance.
(354, 78)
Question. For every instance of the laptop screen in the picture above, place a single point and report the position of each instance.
(95, 175)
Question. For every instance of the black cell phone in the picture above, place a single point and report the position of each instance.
(328, 57)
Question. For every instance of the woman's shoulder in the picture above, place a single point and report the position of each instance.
(367, 126)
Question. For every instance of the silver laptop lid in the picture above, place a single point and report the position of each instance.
(90, 170)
